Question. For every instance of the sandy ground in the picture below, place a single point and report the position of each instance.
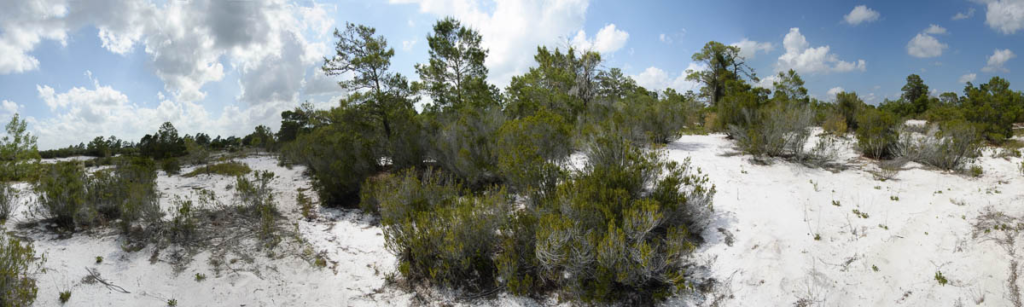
(761, 247)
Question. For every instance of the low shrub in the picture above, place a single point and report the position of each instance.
(256, 196)
(775, 131)
(126, 193)
(17, 262)
(438, 233)
(950, 149)
(230, 168)
(62, 193)
(171, 166)
(835, 124)
(306, 206)
(877, 133)
(619, 230)
(184, 221)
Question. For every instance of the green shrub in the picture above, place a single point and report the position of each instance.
(437, 233)
(619, 229)
(230, 168)
(531, 149)
(256, 196)
(306, 206)
(64, 296)
(62, 193)
(183, 221)
(464, 144)
(877, 133)
(776, 131)
(17, 261)
(171, 166)
(126, 193)
(835, 124)
(950, 149)
(340, 156)
(8, 201)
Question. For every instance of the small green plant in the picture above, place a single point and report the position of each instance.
(230, 168)
(976, 171)
(836, 203)
(17, 264)
(172, 302)
(306, 206)
(874, 268)
(894, 198)
(320, 262)
(256, 196)
(940, 278)
(200, 277)
(882, 226)
(863, 215)
(65, 296)
(878, 187)
(817, 237)
(99, 259)
(8, 200)
(815, 185)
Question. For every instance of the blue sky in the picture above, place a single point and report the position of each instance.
(79, 69)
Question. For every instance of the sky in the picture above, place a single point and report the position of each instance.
(77, 69)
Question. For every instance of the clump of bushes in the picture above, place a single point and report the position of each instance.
(530, 151)
(184, 221)
(438, 231)
(17, 262)
(62, 193)
(171, 166)
(256, 196)
(126, 193)
(950, 148)
(619, 230)
(877, 133)
(464, 144)
(774, 131)
(230, 168)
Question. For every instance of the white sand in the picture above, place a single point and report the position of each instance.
(771, 212)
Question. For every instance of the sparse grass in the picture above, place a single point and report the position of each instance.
(172, 302)
(894, 198)
(858, 213)
(230, 168)
(836, 203)
(940, 278)
(99, 259)
(200, 277)
(874, 268)
(976, 171)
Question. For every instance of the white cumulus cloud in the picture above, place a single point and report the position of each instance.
(608, 40)
(967, 78)
(803, 58)
(861, 14)
(925, 46)
(832, 92)
(656, 79)
(749, 48)
(1005, 16)
(964, 15)
(997, 61)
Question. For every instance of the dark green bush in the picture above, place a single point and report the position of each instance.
(464, 144)
(17, 261)
(340, 155)
(618, 230)
(439, 234)
(531, 149)
(171, 166)
(62, 190)
(877, 133)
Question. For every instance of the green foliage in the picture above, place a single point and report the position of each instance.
(340, 155)
(126, 193)
(464, 144)
(724, 64)
(993, 107)
(64, 296)
(954, 145)
(164, 144)
(99, 259)
(230, 168)
(780, 130)
(877, 132)
(17, 262)
(184, 221)
(940, 278)
(550, 85)
(200, 277)
(849, 106)
(455, 75)
(62, 193)
(16, 149)
(619, 229)
(172, 302)
(531, 149)
(306, 206)
(171, 166)
(437, 233)
(835, 124)
(256, 196)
